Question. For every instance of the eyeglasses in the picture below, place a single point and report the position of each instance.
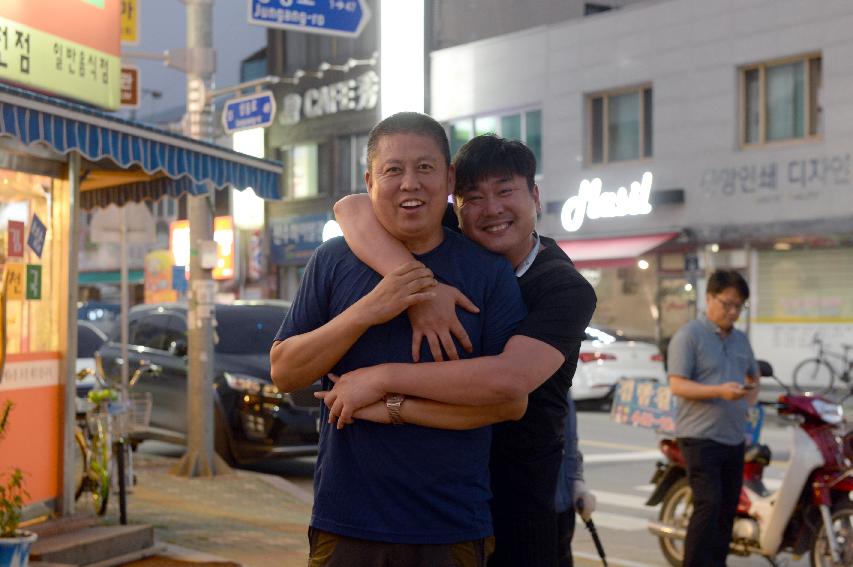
(731, 306)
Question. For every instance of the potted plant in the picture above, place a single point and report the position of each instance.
(15, 544)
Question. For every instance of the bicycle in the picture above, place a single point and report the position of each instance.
(99, 418)
(817, 375)
(93, 436)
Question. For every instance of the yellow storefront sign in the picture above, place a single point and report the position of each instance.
(15, 282)
(49, 62)
(129, 22)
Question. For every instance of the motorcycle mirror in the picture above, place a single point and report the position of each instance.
(765, 370)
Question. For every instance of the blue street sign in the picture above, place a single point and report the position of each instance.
(330, 17)
(256, 110)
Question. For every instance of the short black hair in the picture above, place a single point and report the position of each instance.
(720, 280)
(408, 123)
(490, 156)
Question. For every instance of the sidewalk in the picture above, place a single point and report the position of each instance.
(247, 518)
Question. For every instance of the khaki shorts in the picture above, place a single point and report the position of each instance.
(331, 550)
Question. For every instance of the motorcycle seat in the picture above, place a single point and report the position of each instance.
(758, 453)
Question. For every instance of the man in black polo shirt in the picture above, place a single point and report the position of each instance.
(497, 202)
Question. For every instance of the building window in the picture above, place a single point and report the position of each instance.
(523, 126)
(300, 171)
(620, 125)
(780, 100)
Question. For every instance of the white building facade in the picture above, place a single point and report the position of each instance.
(732, 119)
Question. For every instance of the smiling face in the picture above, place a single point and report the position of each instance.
(499, 213)
(408, 182)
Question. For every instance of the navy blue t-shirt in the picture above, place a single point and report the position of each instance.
(406, 484)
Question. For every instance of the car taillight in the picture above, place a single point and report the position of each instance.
(657, 357)
(595, 356)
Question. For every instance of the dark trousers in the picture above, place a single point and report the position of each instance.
(566, 531)
(715, 474)
(331, 550)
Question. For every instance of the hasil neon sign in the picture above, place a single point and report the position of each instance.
(593, 203)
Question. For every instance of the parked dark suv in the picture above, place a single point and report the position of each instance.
(253, 419)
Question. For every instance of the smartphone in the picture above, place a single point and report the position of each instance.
(748, 386)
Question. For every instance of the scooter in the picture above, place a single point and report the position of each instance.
(811, 512)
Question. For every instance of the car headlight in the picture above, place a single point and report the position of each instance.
(247, 384)
(828, 411)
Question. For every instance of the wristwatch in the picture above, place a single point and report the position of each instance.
(394, 402)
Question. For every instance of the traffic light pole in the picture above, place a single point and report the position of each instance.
(200, 458)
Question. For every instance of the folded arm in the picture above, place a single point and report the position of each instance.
(523, 366)
(299, 360)
(446, 416)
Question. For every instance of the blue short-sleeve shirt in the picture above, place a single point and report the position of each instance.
(404, 484)
(701, 352)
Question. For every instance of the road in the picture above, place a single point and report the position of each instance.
(619, 461)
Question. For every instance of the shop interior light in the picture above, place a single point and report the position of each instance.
(715, 248)
(688, 287)
(782, 246)
(401, 56)
(643, 265)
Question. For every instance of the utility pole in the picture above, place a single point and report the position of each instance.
(200, 458)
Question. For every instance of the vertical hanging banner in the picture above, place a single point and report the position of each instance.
(38, 233)
(33, 281)
(67, 47)
(15, 282)
(130, 86)
(130, 22)
(15, 239)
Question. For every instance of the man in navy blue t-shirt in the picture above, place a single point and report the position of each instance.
(409, 495)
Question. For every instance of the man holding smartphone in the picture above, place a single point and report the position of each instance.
(714, 373)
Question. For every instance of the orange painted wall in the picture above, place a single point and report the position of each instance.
(77, 20)
(33, 439)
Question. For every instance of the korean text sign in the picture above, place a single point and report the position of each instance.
(68, 47)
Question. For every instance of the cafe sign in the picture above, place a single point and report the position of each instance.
(356, 94)
(592, 203)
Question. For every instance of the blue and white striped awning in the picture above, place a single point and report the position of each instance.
(176, 164)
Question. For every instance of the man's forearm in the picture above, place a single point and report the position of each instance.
(692, 390)
(367, 238)
(299, 360)
(448, 416)
(524, 364)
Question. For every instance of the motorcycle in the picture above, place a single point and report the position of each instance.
(811, 512)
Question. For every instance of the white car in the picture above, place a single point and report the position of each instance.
(606, 357)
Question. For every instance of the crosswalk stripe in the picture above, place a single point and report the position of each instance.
(621, 500)
(622, 457)
(610, 445)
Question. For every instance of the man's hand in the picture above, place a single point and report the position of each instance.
(409, 284)
(731, 391)
(351, 392)
(435, 320)
(584, 500)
